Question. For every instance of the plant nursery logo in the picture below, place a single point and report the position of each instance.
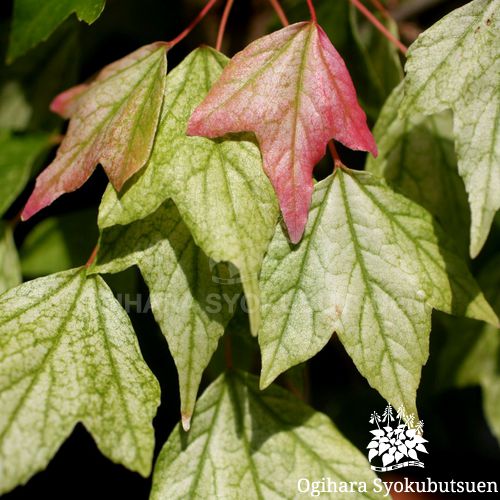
(396, 440)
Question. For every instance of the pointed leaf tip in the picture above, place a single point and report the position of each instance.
(234, 226)
(435, 82)
(229, 416)
(293, 90)
(64, 104)
(186, 422)
(182, 283)
(69, 349)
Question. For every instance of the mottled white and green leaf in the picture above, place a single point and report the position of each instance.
(455, 65)
(190, 297)
(218, 186)
(417, 158)
(370, 267)
(246, 443)
(69, 355)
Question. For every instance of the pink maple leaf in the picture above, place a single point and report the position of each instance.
(293, 90)
(113, 122)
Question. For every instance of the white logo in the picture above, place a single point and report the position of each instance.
(396, 439)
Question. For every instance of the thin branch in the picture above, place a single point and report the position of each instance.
(92, 257)
(379, 26)
(222, 25)
(312, 10)
(193, 24)
(280, 12)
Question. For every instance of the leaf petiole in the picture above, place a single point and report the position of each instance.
(280, 12)
(337, 162)
(312, 10)
(403, 48)
(222, 25)
(92, 257)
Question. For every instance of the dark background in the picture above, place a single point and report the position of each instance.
(461, 446)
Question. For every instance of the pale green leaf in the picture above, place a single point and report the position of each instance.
(17, 157)
(369, 267)
(245, 443)
(59, 243)
(218, 186)
(455, 65)
(189, 298)
(69, 355)
(15, 111)
(10, 271)
(417, 158)
(34, 20)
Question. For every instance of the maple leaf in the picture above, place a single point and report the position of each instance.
(113, 122)
(70, 355)
(455, 65)
(233, 225)
(182, 287)
(293, 90)
(232, 445)
(371, 265)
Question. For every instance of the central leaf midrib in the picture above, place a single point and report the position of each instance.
(298, 93)
(90, 140)
(366, 279)
(210, 432)
(259, 399)
(112, 363)
(303, 262)
(246, 445)
(261, 70)
(49, 353)
(455, 48)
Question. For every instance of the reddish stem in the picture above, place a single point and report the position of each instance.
(379, 26)
(378, 5)
(92, 257)
(280, 12)
(337, 162)
(193, 24)
(312, 10)
(222, 25)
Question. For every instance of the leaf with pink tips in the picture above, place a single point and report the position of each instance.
(113, 122)
(293, 90)
(64, 104)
